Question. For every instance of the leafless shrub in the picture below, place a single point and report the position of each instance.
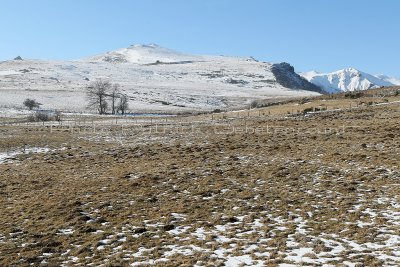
(42, 116)
(31, 103)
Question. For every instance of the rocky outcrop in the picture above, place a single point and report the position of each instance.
(287, 77)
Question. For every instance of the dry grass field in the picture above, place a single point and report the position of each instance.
(268, 187)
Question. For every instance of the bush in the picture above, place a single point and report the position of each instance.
(307, 110)
(253, 104)
(31, 103)
(353, 95)
(41, 116)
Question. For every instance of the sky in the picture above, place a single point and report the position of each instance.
(322, 35)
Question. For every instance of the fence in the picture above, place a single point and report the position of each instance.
(268, 113)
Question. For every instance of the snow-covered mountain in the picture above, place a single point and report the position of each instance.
(144, 54)
(392, 80)
(156, 79)
(349, 79)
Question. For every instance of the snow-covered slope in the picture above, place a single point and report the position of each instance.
(144, 54)
(156, 79)
(345, 80)
(393, 80)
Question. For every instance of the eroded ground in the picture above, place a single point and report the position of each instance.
(310, 190)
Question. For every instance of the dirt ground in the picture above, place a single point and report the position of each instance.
(311, 190)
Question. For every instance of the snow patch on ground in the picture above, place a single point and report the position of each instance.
(11, 155)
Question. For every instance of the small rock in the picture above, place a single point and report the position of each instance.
(168, 227)
(140, 230)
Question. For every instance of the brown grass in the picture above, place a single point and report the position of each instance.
(100, 188)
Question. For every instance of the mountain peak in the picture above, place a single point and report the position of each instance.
(133, 46)
(351, 69)
(144, 54)
(349, 79)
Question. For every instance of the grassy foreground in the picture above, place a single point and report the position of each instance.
(293, 190)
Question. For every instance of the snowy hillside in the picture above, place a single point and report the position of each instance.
(156, 79)
(144, 54)
(393, 80)
(346, 80)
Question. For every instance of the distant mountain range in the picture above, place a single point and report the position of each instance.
(156, 79)
(348, 80)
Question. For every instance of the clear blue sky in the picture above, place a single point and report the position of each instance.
(324, 35)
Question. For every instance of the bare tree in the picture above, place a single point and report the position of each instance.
(123, 104)
(114, 94)
(253, 104)
(97, 94)
(31, 103)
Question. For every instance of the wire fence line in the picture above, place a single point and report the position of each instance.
(150, 119)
